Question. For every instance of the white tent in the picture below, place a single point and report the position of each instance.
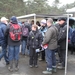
(35, 16)
(51, 16)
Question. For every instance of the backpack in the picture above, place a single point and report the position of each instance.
(25, 31)
(1, 33)
(15, 32)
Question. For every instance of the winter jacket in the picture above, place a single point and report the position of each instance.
(3, 40)
(70, 35)
(43, 30)
(62, 33)
(34, 39)
(10, 41)
(50, 37)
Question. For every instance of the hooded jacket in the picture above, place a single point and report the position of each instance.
(62, 33)
(3, 27)
(13, 20)
(34, 39)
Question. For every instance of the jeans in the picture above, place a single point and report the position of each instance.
(23, 47)
(50, 59)
(4, 53)
(14, 53)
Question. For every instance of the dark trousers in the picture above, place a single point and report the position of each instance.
(62, 53)
(43, 55)
(72, 48)
(33, 57)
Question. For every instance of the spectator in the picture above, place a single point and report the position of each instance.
(3, 39)
(13, 44)
(50, 38)
(62, 29)
(73, 40)
(70, 46)
(32, 22)
(38, 23)
(25, 28)
(43, 29)
(34, 42)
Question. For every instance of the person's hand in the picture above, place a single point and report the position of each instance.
(40, 48)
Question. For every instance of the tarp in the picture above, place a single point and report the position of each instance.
(39, 16)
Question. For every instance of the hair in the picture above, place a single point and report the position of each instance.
(38, 23)
(32, 22)
(35, 26)
(50, 20)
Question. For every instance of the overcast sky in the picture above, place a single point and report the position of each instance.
(62, 1)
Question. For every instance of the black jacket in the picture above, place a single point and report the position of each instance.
(62, 33)
(35, 39)
(11, 42)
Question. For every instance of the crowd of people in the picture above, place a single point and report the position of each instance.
(43, 37)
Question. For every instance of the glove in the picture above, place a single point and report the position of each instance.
(40, 48)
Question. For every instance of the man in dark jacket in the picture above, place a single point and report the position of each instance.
(34, 42)
(13, 46)
(62, 29)
(3, 39)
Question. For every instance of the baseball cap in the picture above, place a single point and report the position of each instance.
(3, 18)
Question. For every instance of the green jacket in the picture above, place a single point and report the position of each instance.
(50, 37)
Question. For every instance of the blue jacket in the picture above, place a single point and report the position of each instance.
(43, 30)
(73, 37)
(70, 33)
(34, 39)
(3, 38)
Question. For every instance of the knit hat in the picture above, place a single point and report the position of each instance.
(13, 20)
(64, 19)
(43, 21)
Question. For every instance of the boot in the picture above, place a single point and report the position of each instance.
(16, 65)
(10, 68)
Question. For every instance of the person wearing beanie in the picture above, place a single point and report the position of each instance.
(50, 39)
(13, 45)
(42, 29)
(62, 32)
